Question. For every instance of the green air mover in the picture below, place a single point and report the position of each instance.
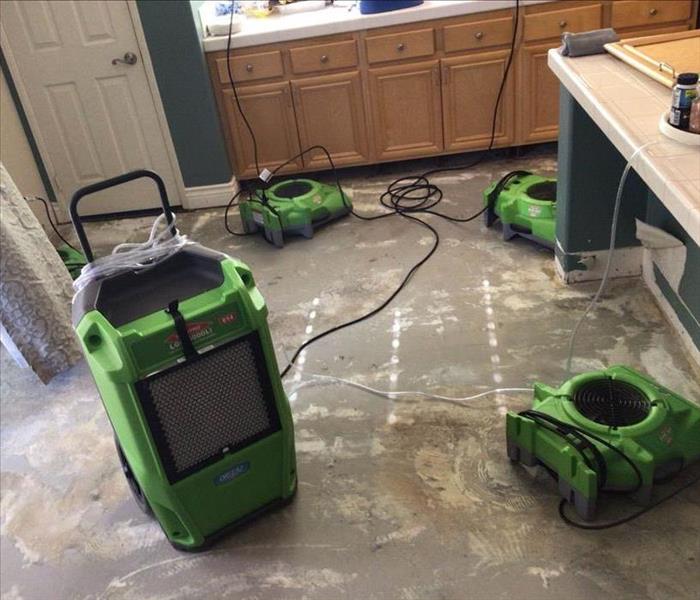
(526, 206)
(293, 207)
(611, 430)
(183, 360)
(73, 260)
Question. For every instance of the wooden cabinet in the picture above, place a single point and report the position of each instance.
(400, 46)
(269, 111)
(538, 96)
(406, 110)
(251, 67)
(416, 89)
(551, 23)
(317, 58)
(537, 102)
(330, 112)
(649, 13)
(470, 86)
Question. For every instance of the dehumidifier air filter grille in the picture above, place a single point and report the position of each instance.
(219, 402)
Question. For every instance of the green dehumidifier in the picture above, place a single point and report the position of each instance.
(526, 206)
(611, 430)
(293, 207)
(182, 357)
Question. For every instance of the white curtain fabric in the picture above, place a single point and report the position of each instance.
(35, 289)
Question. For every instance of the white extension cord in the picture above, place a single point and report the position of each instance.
(608, 263)
(316, 379)
(161, 244)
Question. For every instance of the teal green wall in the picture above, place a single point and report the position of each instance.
(589, 170)
(174, 44)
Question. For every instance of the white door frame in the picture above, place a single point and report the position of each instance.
(153, 88)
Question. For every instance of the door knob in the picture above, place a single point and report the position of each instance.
(653, 12)
(479, 35)
(129, 59)
(401, 47)
(562, 24)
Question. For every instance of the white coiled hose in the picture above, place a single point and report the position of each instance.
(161, 244)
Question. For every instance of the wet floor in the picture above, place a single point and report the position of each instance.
(407, 498)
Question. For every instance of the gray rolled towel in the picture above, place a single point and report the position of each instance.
(589, 42)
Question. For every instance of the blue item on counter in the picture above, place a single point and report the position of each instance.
(369, 7)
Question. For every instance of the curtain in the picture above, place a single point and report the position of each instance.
(35, 289)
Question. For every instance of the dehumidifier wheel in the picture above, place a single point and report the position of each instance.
(131, 480)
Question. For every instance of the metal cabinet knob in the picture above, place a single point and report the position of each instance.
(653, 12)
(249, 68)
(563, 24)
(324, 59)
(129, 59)
(479, 35)
(401, 47)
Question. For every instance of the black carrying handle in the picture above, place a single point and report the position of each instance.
(503, 182)
(109, 183)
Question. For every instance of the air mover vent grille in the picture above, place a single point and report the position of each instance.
(544, 190)
(612, 402)
(216, 403)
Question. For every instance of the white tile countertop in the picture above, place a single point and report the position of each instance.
(338, 19)
(627, 106)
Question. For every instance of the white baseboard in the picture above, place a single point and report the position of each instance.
(626, 262)
(210, 196)
(670, 314)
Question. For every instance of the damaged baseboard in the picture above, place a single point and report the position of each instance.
(668, 311)
(210, 196)
(626, 262)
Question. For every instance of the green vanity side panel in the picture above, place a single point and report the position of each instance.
(588, 175)
(183, 82)
(685, 303)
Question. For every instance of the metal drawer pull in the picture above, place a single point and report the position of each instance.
(563, 24)
(324, 58)
(479, 35)
(249, 68)
(401, 47)
(653, 12)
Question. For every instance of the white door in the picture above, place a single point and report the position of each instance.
(94, 117)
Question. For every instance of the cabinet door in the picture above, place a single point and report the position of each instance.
(330, 112)
(406, 110)
(270, 113)
(470, 86)
(538, 96)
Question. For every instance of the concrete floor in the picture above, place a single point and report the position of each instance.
(405, 499)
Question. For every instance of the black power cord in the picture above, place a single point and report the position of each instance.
(235, 91)
(53, 225)
(580, 440)
(406, 196)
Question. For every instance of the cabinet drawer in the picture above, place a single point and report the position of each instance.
(397, 46)
(542, 26)
(324, 57)
(250, 67)
(633, 13)
(481, 34)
